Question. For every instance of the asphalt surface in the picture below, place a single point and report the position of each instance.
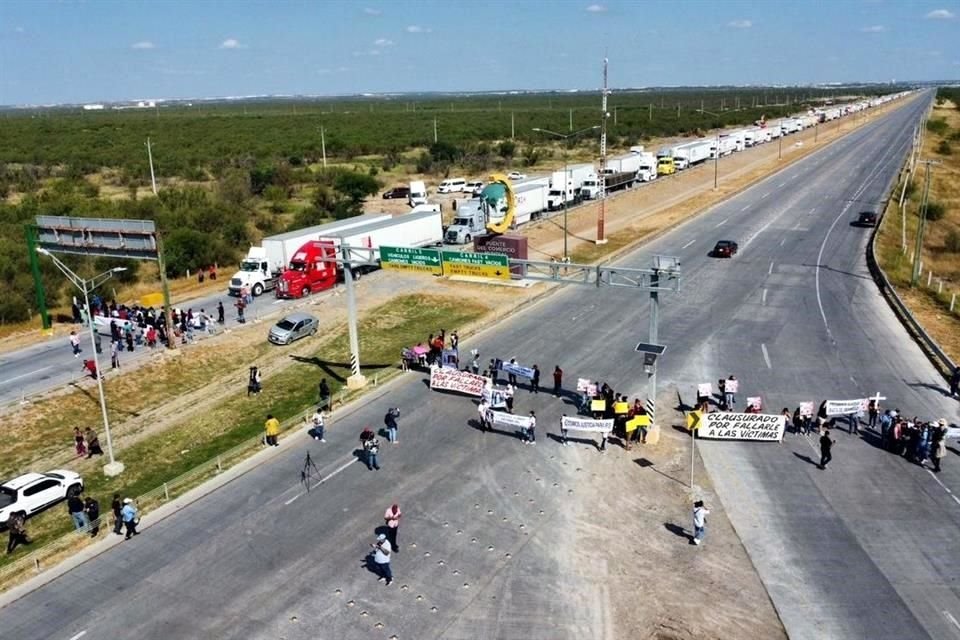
(865, 549)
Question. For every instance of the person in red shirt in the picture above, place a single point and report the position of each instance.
(557, 380)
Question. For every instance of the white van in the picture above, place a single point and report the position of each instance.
(474, 188)
(418, 193)
(452, 185)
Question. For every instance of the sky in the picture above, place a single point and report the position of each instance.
(72, 51)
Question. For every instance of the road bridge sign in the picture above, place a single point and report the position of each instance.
(481, 265)
(411, 259)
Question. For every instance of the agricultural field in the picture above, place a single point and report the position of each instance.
(230, 172)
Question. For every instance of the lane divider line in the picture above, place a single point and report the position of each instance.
(688, 244)
(766, 356)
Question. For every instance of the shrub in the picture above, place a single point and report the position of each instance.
(944, 148)
(938, 126)
(935, 210)
(952, 241)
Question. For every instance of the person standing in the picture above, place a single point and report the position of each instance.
(381, 559)
(317, 420)
(272, 429)
(955, 382)
(220, 312)
(116, 505)
(508, 397)
(75, 344)
(728, 392)
(873, 413)
(532, 429)
(79, 443)
(939, 450)
(92, 509)
(240, 304)
(826, 447)
(16, 525)
(130, 519)
(700, 513)
(392, 518)
(93, 443)
(557, 380)
(75, 507)
(115, 354)
(371, 448)
(511, 376)
(390, 421)
(484, 410)
(324, 389)
(535, 380)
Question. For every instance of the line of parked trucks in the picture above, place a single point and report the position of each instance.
(296, 263)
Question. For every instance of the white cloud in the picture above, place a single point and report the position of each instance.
(143, 44)
(876, 28)
(370, 52)
(383, 42)
(596, 8)
(940, 14)
(740, 24)
(372, 12)
(20, 30)
(415, 28)
(231, 43)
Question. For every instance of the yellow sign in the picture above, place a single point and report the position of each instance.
(152, 300)
(504, 225)
(639, 421)
(418, 268)
(693, 419)
(598, 405)
(476, 270)
(621, 408)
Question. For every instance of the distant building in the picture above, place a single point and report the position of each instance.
(93, 107)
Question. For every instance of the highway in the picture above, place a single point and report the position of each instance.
(864, 549)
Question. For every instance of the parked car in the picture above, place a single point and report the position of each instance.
(31, 493)
(396, 193)
(725, 249)
(293, 327)
(474, 187)
(516, 175)
(867, 219)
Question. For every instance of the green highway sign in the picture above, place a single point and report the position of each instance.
(481, 265)
(411, 259)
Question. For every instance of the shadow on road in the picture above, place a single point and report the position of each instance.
(678, 531)
(846, 273)
(327, 366)
(926, 385)
(806, 459)
(647, 464)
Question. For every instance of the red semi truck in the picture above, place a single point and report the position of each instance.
(309, 269)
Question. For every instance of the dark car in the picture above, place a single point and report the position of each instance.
(396, 193)
(867, 219)
(725, 249)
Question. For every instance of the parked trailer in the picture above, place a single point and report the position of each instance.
(698, 151)
(262, 267)
(629, 163)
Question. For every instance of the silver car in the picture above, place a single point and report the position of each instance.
(293, 327)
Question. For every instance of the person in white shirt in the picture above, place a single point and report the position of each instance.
(317, 420)
(381, 559)
(700, 513)
(484, 410)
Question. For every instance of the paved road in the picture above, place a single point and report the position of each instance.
(866, 549)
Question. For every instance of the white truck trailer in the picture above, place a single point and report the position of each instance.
(576, 174)
(263, 265)
(697, 151)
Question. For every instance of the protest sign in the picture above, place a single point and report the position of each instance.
(953, 432)
(494, 397)
(755, 402)
(454, 380)
(450, 358)
(585, 424)
(704, 390)
(510, 420)
(583, 384)
(621, 408)
(731, 386)
(516, 369)
(806, 409)
(636, 422)
(598, 405)
(845, 407)
(742, 426)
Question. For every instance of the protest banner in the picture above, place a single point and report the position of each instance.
(742, 426)
(845, 407)
(495, 397)
(510, 420)
(704, 390)
(755, 402)
(952, 432)
(806, 409)
(585, 424)
(516, 369)
(583, 384)
(447, 379)
(598, 405)
(731, 386)
(636, 422)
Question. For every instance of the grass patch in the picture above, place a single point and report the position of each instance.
(589, 253)
(288, 394)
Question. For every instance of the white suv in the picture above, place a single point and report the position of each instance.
(33, 492)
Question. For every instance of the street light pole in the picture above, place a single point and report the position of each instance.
(113, 467)
(566, 184)
(716, 163)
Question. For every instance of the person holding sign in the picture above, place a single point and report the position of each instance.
(730, 388)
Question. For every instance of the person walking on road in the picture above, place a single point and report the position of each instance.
(371, 447)
(75, 507)
(557, 380)
(485, 419)
(221, 313)
(130, 518)
(392, 518)
(92, 508)
(272, 429)
(826, 446)
(116, 505)
(381, 559)
(535, 380)
(390, 421)
(75, 344)
(317, 420)
(700, 513)
(16, 525)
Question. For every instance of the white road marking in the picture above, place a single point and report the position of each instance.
(745, 208)
(688, 244)
(324, 479)
(950, 617)
(809, 213)
(84, 632)
(763, 298)
(770, 270)
(764, 195)
(25, 375)
(723, 222)
(766, 356)
(945, 488)
(783, 184)
(782, 240)
(758, 232)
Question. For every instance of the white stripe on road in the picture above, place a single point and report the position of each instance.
(745, 208)
(783, 184)
(770, 270)
(782, 240)
(945, 488)
(25, 375)
(949, 616)
(83, 633)
(324, 479)
(763, 298)
(766, 356)
(723, 222)
(688, 244)
(811, 211)
(764, 195)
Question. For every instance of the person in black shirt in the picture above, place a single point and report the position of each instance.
(826, 444)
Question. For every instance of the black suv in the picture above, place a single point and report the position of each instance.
(396, 193)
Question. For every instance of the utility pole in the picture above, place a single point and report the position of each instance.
(323, 146)
(513, 129)
(356, 379)
(153, 178)
(650, 113)
(571, 120)
(434, 130)
(915, 279)
(716, 164)
(601, 183)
